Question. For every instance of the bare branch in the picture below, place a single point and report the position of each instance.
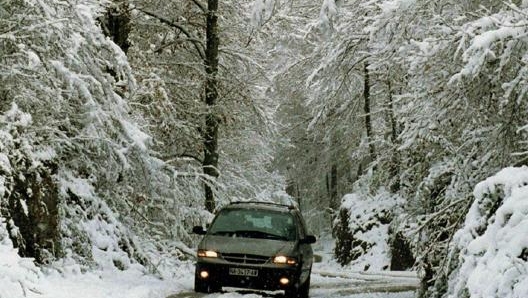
(183, 156)
(196, 42)
(200, 5)
(177, 41)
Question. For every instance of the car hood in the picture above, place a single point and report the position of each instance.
(242, 245)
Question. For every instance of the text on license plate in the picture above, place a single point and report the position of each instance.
(243, 271)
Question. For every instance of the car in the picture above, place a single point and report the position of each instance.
(255, 245)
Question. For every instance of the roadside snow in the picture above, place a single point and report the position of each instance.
(19, 277)
(130, 284)
(369, 219)
(18, 281)
(492, 245)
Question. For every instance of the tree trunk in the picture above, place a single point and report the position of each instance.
(34, 211)
(333, 204)
(116, 24)
(394, 167)
(332, 189)
(366, 109)
(210, 162)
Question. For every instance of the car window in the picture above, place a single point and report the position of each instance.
(253, 223)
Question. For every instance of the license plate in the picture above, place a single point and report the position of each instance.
(243, 272)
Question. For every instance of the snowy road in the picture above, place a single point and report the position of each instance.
(385, 284)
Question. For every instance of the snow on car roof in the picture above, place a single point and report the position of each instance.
(261, 204)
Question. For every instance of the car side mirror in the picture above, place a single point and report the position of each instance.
(309, 239)
(199, 230)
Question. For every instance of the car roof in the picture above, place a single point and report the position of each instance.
(261, 205)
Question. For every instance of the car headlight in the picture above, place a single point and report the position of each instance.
(207, 253)
(284, 260)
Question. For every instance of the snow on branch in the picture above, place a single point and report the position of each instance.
(492, 252)
(487, 39)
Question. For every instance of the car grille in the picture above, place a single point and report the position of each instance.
(245, 258)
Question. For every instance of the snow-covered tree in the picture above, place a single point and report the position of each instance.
(172, 76)
(73, 83)
(446, 101)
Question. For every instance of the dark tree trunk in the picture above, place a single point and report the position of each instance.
(331, 180)
(401, 253)
(394, 167)
(33, 207)
(210, 163)
(291, 188)
(332, 189)
(366, 109)
(116, 25)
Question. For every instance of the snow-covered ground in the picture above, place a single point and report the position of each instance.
(130, 284)
(20, 278)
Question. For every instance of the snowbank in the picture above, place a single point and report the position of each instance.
(492, 246)
(364, 224)
(18, 276)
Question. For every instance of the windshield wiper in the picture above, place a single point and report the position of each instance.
(259, 234)
(223, 233)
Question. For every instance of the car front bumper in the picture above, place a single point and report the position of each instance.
(268, 275)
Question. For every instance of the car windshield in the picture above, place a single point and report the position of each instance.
(253, 223)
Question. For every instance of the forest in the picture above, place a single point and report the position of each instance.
(124, 123)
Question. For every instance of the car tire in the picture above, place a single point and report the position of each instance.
(201, 286)
(302, 291)
(290, 293)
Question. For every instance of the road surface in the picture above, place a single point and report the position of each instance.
(386, 284)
